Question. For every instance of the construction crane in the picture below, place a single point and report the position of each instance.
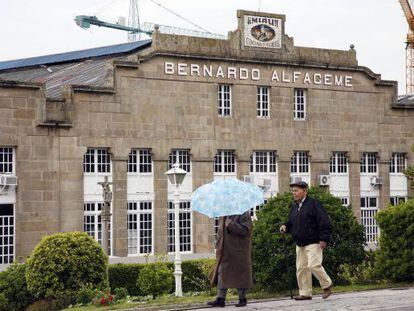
(134, 28)
(408, 12)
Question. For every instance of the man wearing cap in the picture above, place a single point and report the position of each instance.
(311, 229)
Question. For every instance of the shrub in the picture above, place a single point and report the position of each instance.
(395, 259)
(361, 274)
(85, 295)
(14, 288)
(120, 293)
(4, 303)
(195, 275)
(156, 279)
(49, 305)
(274, 264)
(64, 262)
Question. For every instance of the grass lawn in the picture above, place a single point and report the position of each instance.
(169, 301)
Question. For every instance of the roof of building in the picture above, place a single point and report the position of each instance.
(91, 68)
(74, 55)
(404, 101)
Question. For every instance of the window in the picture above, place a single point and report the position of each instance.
(339, 163)
(6, 233)
(369, 209)
(183, 157)
(254, 210)
(97, 161)
(185, 222)
(6, 160)
(299, 112)
(224, 162)
(345, 201)
(263, 162)
(140, 161)
(299, 162)
(398, 163)
(139, 224)
(92, 223)
(397, 200)
(263, 107)
(369, 163)
(224, 100)
(216, 226)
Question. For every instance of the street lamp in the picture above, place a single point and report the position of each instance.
(106, 212)
(176, 176)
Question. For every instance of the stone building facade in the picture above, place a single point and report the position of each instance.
(252, 106)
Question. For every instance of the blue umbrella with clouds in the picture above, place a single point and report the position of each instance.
(226, 197)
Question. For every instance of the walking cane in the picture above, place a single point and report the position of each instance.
(287, 264)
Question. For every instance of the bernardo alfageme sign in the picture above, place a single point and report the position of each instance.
(263, 32)
(255, 74)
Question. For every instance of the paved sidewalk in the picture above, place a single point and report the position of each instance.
(376, 300)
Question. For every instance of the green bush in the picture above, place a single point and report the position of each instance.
(64, 262)
(195, 275)
(156, 279)
(14, 288)
(395, 259)
(49, 305)
(4, 303)
(274, 262)
(120, 293)
(85, 295)
(361, 274)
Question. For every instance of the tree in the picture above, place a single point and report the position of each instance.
(274, 261)
(395, 260)
(409, 172)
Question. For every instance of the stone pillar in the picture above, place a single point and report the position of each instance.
(71, 196)
(243, 167)
(355, 185)
(160, 205)
(119, 208)
(318, 167)
(203, 226)
(283, 174)
(384, 190)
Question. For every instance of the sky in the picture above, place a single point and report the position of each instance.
(377, 28)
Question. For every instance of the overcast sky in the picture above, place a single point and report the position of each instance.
(377, 28)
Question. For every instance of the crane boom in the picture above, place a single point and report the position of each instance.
(408, 12)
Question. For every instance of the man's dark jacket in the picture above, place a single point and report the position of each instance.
(309, 224)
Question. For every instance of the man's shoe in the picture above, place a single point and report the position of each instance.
(300, 297)
(327, 292)
(219, 302)
(242, 303)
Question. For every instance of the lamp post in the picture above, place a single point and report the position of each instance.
(106, 212)
(176, 176)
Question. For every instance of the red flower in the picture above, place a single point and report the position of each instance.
(103, 301)
(110, 298)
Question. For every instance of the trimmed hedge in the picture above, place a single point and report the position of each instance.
(395, 260)
(64, 262)
(195, 275)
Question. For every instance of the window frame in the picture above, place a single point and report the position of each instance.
(296, 158)
(95, 164)
(223, 155)
(263, 102)
(270, 156)
(139, 211)
(222, 100)
(335, 163)
(365, 163)
(395, 166)
(171, 220)
(296, 103)
(7, 163)
(138, 153)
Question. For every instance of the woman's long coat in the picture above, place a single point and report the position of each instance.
(233, 252)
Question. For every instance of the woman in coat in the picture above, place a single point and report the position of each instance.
(233, 254)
